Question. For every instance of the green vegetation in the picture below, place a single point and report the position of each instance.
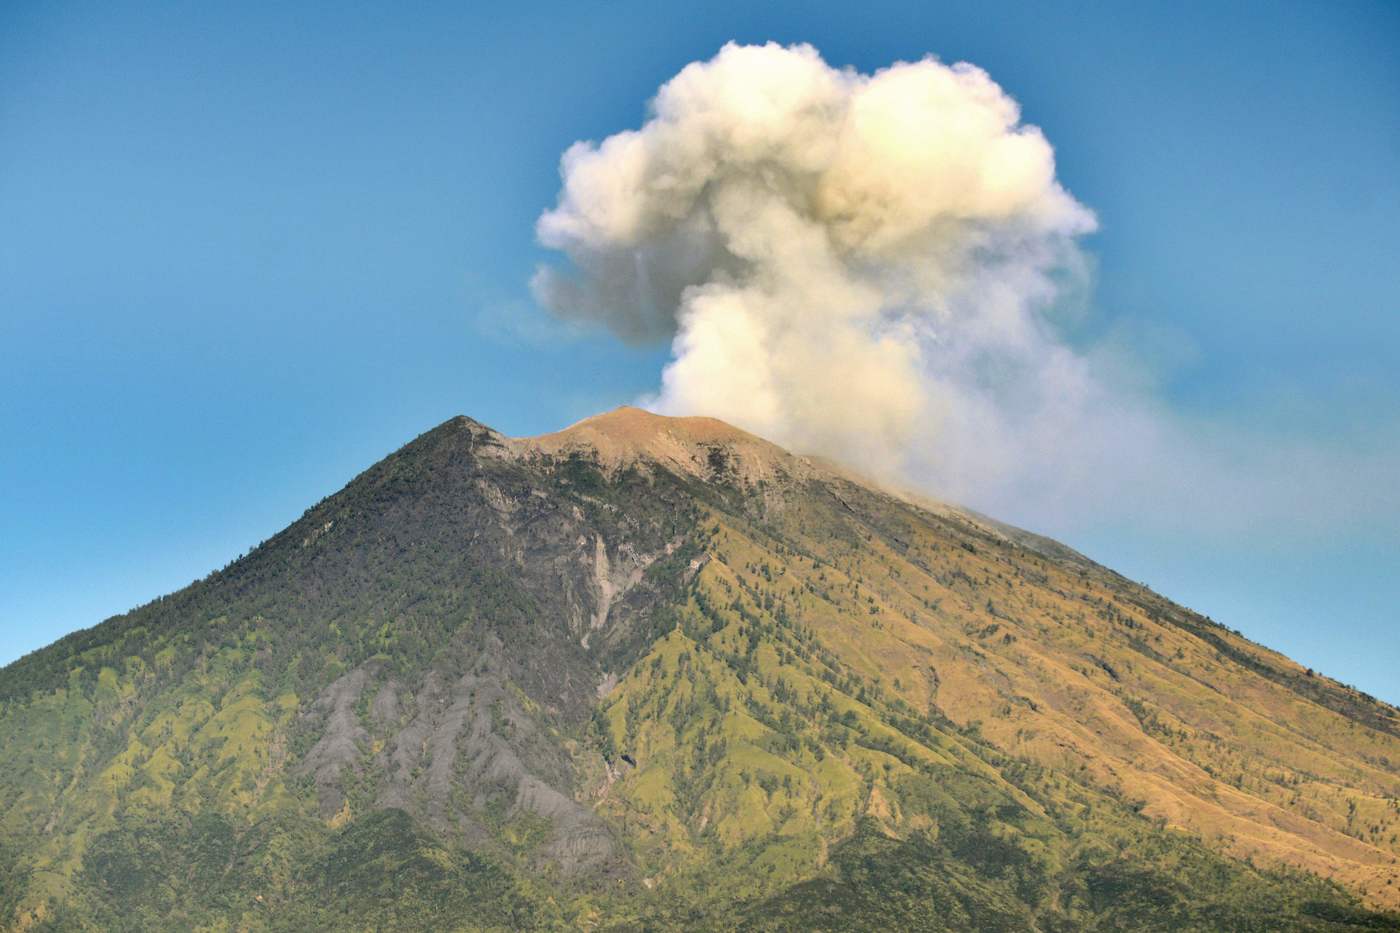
(978, 881)
(489, 687)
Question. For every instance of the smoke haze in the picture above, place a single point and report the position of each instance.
(861, 265)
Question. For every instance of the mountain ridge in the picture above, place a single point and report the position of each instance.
(657, 659)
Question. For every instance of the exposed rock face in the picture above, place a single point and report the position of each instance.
(703, 448)
(342, 737)
(474, 740)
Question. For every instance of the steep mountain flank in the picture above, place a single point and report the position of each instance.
(660, 672)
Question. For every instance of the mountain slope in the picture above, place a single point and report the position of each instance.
(659, 671)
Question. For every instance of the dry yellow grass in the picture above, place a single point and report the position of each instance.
(1057, 660)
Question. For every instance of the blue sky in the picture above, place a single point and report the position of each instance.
(246, 252)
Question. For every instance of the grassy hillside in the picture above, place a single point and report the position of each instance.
(654, 672)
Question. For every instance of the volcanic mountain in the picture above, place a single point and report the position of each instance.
(652, 673)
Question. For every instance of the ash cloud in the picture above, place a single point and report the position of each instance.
(861, 266)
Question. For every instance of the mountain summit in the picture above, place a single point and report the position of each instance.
(627, 435)
(653, 672)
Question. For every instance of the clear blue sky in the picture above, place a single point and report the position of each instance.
(246, 250)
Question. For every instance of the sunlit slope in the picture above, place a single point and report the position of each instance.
(1046, 656)
(1066, 664)
(659, 671)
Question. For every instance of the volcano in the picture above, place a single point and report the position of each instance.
(654, 672)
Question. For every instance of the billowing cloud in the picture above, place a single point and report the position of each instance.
(822, 246)
(861, 265)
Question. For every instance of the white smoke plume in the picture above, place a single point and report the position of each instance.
(834, 254)
(860, 265)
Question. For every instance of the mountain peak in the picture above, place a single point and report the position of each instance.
(634, 426)
(697, 446)
(487, 682)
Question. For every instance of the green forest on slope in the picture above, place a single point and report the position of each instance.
(480, 689)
